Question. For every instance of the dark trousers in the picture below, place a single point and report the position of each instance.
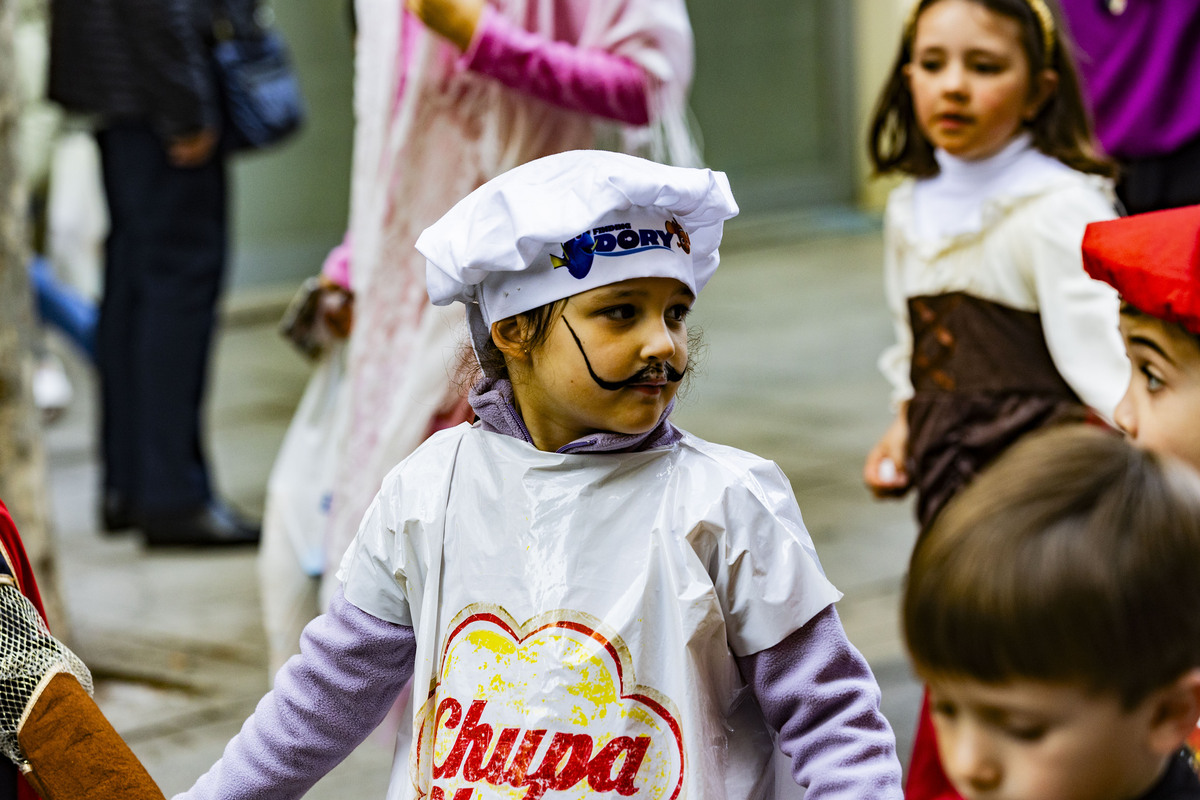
(1168, 181)
(165, 262)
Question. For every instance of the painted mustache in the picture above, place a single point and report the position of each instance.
(648, 373)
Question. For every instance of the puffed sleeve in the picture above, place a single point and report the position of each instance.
(1079, 315)
(895, 362)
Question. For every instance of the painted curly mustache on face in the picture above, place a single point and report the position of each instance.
(646, 374)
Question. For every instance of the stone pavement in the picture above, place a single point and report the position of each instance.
(793, 322)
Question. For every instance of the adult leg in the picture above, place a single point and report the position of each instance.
(127, 179)
(167, 263)
(179, 283)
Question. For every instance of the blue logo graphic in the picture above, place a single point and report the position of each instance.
(577, 255)
(621, 239)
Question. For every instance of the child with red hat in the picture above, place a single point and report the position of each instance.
(1153, 261)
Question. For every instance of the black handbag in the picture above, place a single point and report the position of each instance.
(260, 94)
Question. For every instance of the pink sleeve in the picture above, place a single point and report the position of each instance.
(581, 79)
(337, 264)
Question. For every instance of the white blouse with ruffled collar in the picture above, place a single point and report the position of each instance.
(1008, 229)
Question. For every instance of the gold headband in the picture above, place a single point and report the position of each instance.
(1038, 7)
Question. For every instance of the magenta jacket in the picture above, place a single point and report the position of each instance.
(1141, 71)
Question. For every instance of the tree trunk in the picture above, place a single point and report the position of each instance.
(22, 457)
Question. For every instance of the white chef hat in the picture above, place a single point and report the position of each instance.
(570, 222)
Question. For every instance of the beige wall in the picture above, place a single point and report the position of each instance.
(877, 31)
(290, 205)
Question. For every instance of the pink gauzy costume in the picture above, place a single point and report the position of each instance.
(541, 76)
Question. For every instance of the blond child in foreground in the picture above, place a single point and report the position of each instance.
(1051, 609)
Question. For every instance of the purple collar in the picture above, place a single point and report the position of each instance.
(492, 400)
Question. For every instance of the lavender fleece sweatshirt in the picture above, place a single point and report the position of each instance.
(814, 688)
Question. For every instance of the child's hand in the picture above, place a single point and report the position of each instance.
(336, 308)
(884, 472)
(455, 20)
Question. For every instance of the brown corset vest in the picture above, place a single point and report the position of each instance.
(983, 378)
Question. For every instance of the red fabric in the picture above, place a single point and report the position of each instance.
(14, 553)
(926, 778)
(1152, 260)
(1193, 740)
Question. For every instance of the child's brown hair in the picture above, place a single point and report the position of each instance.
(1062, 129)
(1074, 559)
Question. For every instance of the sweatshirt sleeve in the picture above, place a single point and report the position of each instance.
(337, 265)
(326, 700)
(817, 691)
(587, 80)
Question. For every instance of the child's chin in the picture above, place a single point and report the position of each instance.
(633, 427)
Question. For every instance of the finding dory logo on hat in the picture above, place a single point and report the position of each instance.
(577, 255)
(685, 241)
(618, 239)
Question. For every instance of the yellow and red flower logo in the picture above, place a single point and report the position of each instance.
(547, 709)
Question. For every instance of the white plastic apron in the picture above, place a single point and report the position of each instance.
(577, 615)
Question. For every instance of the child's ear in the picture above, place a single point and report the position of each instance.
(1176, 711)
(1044, 87)
(508, 335)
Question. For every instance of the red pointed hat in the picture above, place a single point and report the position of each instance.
(1152, 260)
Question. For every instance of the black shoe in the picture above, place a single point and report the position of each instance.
(213, 525)
(115, 512)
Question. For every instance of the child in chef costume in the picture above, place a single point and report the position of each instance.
(590, 601)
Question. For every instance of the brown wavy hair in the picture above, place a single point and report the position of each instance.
(1062, 128)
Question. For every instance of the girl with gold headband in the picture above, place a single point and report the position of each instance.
(999, 331)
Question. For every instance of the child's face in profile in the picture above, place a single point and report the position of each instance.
(1028, 740)
(612, 362)
(1161, 408)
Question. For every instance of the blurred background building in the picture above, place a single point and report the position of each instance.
(782, 92)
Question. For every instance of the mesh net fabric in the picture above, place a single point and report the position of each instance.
(27, 654)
